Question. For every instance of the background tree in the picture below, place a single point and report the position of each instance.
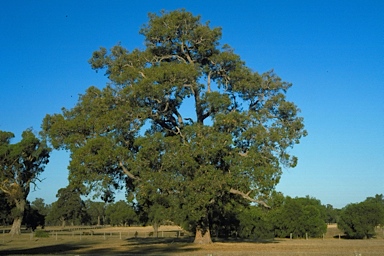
(33, 218)
(40, 206)
(5, 210)
(69, 207)
(359, 220)
(332, 214)
(20, 164)
(255, 223)
(121, 214)
(184, 119)
(300, 217)
(96, 211)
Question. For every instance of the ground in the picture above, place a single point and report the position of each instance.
(115, 241)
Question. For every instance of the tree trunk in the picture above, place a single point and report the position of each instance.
(155, 226)
(203, 236)
(16, 226)
(18, 218)
(62, 222)
(98, 220)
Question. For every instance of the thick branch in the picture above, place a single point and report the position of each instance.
(247, 197)
(128, 173)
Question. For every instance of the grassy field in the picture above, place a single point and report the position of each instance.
(107, 242)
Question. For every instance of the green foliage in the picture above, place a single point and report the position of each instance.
(332, 215)
(39, 205)
(41, 233)
(184, 123)
(256, 223)
(300, 216)
(359, 220)
(33, 218)
(5, 210)
(121, 213)
(96, 212)
(69, 207)
(20, 164)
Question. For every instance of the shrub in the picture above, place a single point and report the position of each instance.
(41, 233)
(359, 220)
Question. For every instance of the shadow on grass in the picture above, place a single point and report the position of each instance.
(243, 240)
(159, 240)
(156, 246)
(131, 246)
(136, 246)
(50, 249)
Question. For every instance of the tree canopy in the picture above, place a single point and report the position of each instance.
(20, 164)
(359, 220)
(183, 122)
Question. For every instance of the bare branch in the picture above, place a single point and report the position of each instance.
(247, 197)
(128, 173)
(186, 53)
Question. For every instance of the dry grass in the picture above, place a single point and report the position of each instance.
(100, 245)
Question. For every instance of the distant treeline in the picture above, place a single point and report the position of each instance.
(287, 217)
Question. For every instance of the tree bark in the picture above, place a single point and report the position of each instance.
(18, 219)
(63, 221)
(156, 228)
(203, 236)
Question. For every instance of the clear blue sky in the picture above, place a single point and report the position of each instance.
(332, 52)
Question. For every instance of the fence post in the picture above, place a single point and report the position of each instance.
(290, 236)
(306, 236)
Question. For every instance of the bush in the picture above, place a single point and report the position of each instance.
(358, 221)
(41, 233)
(300, 217)
(255, 224)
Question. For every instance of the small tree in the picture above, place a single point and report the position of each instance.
(40, 206)
(69, 206)
(359, 220)
(121, 213)
(96, 211)
(20, 164)
(300, 216)
(33, 218)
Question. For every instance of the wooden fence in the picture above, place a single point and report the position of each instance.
(79, 233)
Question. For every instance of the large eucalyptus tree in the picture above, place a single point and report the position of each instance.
(184, 124)
(20, 167)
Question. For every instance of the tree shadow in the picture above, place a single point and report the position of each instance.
(135, 246)
(159, 240)
(50, 249)
(246, 240)
(129, 246)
